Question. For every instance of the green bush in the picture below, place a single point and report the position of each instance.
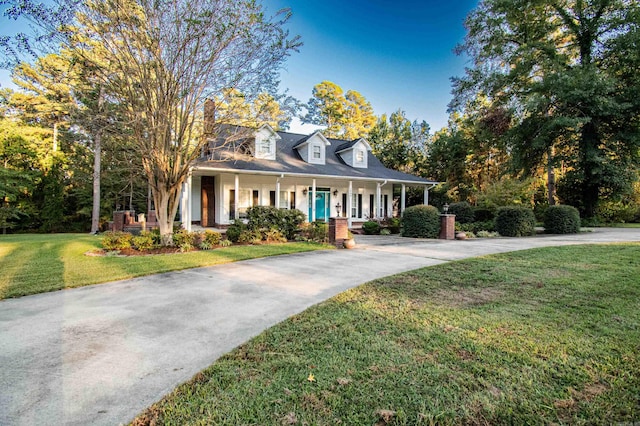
(393, 224)
(316, 231)
(475, 227)
(562, 220)
(515, 221)
(371, 227)
(248, 236)
(268, 217)
(273, 236)
(116, 240)
(483, 214)
(234, 230)
(421, 222)
(212, 238)
(144, 241)
(463, 211)
(184, 239)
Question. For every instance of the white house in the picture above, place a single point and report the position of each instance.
(321, 177)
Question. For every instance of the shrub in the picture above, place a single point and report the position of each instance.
(483, 214)
(205, 245)
(234, 231)
(211, 237)
(116, 240)
(515, 221)
(248, 236)
(562, 220)
(225, 243)
(475, 227)
(463, 211)
(371, 227)
(144, 241)
(421, 222)
(316, 231)
(385, 231)
(291, 221)
(393, 224)
(184, 239)
(273, 236)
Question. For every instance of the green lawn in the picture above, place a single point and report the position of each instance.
(535, 337)
(31, 264)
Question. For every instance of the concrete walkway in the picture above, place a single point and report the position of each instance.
(101, 354)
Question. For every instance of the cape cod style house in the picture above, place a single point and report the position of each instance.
(322, 177)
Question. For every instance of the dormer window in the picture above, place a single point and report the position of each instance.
(265, 147)
(354, 153)
(265, 143)
(317, 152)
(313, 148)
(359, 156)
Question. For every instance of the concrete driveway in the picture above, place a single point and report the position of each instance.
(101, 354)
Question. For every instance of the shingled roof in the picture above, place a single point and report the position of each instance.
(289, 162)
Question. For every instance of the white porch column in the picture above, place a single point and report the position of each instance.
(189, 202)
(277, 193)
(403, 199)
(378, 202)
(313, 201)
(236, 196)
(426, 195)
(349, 205)
(183, 204)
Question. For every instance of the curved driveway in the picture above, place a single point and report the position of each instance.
(101, 354)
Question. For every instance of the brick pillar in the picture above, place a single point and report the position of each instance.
(338, 231)
(118, 221)
(447, 227)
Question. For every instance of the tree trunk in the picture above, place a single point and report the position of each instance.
(551, 178)
(590, 166)
(97, 153)
(166, 199)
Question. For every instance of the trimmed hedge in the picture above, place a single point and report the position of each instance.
(268, 217)
(562, 220)
(371, 227)
(463, 211)
(421, 222)
(515, 221)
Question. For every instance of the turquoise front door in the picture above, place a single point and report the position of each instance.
(322, 205)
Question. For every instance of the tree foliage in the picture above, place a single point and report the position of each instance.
(559, 68)
(345, 116)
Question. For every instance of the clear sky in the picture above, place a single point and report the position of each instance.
(397, 54)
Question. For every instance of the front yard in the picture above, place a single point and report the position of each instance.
(535, 337)
(31, 264)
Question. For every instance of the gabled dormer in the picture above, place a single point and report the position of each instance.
(265, 143)
(355, 153)
(313, 148)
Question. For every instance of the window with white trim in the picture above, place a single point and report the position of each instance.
(317, 152)
(359, 156)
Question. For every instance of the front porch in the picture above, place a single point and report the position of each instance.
(216, 199)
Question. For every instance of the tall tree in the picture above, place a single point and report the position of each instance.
(548, 63)
(344, 116)
(161, 60)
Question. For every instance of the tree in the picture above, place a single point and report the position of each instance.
(346, 117)
(549, 63)
(161, 60)
(399, 143)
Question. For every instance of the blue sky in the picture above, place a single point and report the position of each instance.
(397, 54)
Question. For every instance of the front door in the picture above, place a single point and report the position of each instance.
(322, 205)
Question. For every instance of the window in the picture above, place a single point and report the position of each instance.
(287, 199)
(359, 156)
(246, 198)
(265, 147)
(356, 205)
(317, 153)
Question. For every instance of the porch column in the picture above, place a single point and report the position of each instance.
(403, 199)
(378, 201)
(426, 195)
(189, 202)
(313, 201)
(349, 205)
(183, 204)
(277, 201)
(236, 195)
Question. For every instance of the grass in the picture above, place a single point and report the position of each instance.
(31, 264)
(535, 337)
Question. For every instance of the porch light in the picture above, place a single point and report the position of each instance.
(338, 208)
(304, 191)
(445, 208)
(335, 193)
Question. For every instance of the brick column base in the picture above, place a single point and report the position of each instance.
(447, 227)
(338, 231)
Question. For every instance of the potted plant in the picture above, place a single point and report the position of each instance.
(349, 242)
